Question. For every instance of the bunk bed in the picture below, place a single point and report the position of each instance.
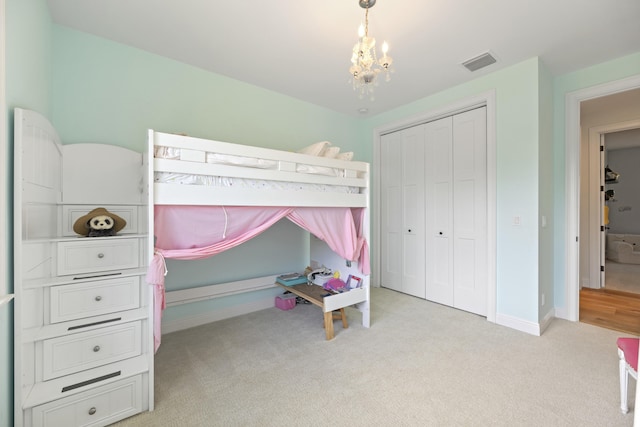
(209, 196)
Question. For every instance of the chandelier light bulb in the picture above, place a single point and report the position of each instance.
(365, 63)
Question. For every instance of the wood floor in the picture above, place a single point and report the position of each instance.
(611, 309)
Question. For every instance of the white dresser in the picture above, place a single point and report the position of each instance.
(83, 329)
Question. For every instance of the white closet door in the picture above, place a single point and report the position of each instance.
(470, 211)
(456, 211)
(403, 240)
(439, 208)
(391, 210)
(413, 278)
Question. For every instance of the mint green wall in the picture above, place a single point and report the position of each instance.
(110, 93)
(28, 56)
(517, 176)
(606, 72)
(28, 73)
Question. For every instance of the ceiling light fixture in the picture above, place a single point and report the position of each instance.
(365, 64)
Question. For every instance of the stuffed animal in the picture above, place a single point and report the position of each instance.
(99, 223)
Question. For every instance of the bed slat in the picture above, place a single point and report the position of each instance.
(176, 194)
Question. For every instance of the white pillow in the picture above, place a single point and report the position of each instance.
(347, 155)
(331, 152)
(315, 149)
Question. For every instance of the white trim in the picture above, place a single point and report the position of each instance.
(519, 324)
(169, 326)
(572, 184)
(487, 99)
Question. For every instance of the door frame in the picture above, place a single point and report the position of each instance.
(488, 100)
(596, 204)
(572, 186)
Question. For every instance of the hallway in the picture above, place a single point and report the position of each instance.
(617, 305)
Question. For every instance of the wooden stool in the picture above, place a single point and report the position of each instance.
(330, 316)
(339, 315)
(316, 295)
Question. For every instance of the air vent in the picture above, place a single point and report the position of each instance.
(478, 62)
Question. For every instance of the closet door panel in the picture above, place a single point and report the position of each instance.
(391, 255)
(439, 286)
(402, 211)
(391, 211)
(413, 250)
(470, 217)
(438, 140)
(464, 201)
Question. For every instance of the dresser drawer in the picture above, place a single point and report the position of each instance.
(76, 352)
(98, 407)
(88, 256)
(79, 300)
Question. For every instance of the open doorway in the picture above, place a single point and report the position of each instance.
(610, 128)
(573, 194)
(603, 118)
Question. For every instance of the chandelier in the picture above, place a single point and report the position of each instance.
(365, 63)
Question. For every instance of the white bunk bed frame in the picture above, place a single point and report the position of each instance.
(193, 154)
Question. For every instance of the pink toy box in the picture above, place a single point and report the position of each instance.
(286, 301)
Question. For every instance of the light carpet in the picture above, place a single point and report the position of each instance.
(420, 364)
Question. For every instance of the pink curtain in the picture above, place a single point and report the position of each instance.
(195, 232)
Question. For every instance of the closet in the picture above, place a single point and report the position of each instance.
(434, 211)
(402, 178)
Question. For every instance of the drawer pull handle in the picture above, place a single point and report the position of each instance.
(92, 411)
(98, 298)
(96, 349)
(100, 255)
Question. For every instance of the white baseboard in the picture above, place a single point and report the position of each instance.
(213, 316)
(546, 321)
(518, 324)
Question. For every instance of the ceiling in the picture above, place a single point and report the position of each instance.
(302, 48)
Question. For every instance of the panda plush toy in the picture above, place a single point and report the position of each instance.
(99, 223)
